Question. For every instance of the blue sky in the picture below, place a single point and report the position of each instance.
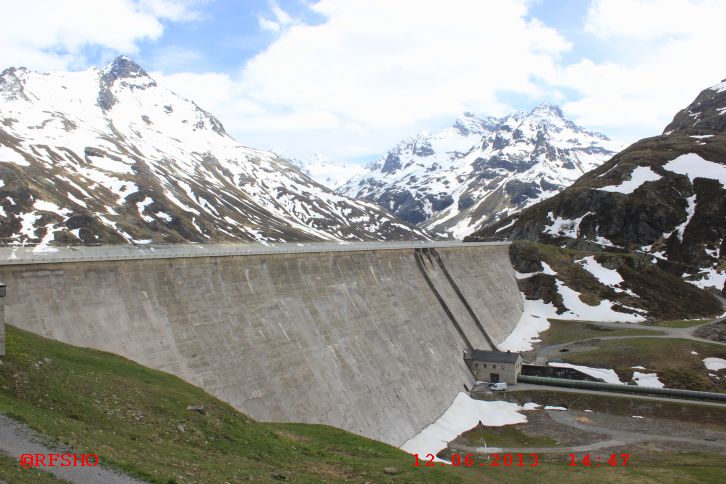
(348, 79)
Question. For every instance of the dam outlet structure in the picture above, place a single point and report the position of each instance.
(367, 337)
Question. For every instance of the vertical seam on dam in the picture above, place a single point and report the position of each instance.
(458, 292)
(420, 264)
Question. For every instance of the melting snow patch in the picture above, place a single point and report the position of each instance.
(714, 364)
(694, 353)
(553, 407)
(532, 322)
(464, 414)
(710, 277)
(638, 367)
(693, 166)
(638, 416)
(588, 411)
(640, 175)
(602, 312)
(563, 226)
(690, 210)
(608, 277)
(647, 380)
(12, 156)
(607, 375)
(506, 226)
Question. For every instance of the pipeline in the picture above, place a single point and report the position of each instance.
(610, 387)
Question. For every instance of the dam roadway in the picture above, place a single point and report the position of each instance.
(367, 337)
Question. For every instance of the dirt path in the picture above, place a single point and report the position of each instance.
(543, 354)
(614, 438)
(17, 439)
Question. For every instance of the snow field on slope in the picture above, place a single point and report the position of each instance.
(464, 414)
(640, 175)
(534, 318)
(693, 166)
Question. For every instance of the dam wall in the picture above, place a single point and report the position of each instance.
(356, 339)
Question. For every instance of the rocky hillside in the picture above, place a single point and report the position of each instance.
(480, 169)
(663, 197)
(109, 156)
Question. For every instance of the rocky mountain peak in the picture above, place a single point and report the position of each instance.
(547, 110)
(107, 156)
(705, 115)
(127, 71)
(480, 169)
(469, 123)
(123, 67)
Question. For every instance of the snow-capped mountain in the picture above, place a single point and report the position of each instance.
(663, 197)
(481, 169)
(331, 174)
(109, 156)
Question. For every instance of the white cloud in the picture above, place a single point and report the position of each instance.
(663, 54)
(52, 35)
(375, 65)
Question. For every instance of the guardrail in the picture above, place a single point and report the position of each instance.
(610, 387)
(52, 254)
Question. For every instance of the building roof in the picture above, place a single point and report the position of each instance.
(494, 356)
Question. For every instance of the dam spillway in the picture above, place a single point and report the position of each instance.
(367, 337)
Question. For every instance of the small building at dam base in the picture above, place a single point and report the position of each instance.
(494, 366)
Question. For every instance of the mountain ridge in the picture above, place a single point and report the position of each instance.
(663, 197)
(480, 169)
(109, 156)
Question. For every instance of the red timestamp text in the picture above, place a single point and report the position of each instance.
(468, 460)
(598, 461)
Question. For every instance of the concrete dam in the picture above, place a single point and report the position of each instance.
(367, 337)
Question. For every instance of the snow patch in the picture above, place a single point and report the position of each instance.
(563, 226)
(640, 175)
(714, 364)
(607, 375)
(463, 414)
(693, 166)
(647, 380)
(690, 211)
(9, 155)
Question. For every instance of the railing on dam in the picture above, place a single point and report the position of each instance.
(17, 255)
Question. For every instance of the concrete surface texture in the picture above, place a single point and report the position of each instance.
(353, 339)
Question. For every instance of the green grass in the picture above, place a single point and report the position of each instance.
(681, 323)
(672, 359)
(137, 420)
(506, 436)
(563, 331)
(11, 471)
(623, 405)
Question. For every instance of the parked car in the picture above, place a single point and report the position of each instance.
(496, 387)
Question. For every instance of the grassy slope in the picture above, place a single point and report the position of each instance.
(136, 420)
(564, 331)
(672, 359)
(130, 415)
(10, 471)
